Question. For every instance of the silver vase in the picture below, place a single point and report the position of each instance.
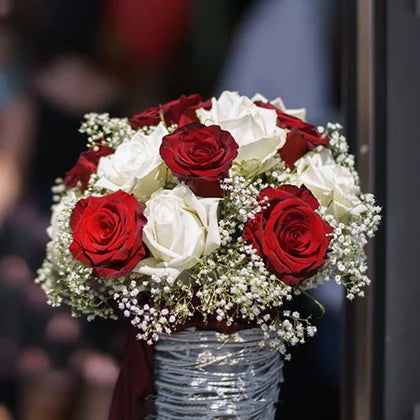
(210, 375)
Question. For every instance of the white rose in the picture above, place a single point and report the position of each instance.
(253, 128)
(278, 103)
(136, 166)
(332, 184)
(180, 229)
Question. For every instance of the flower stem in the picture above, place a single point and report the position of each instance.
(319, 304)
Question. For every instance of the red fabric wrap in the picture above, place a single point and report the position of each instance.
(135, 381)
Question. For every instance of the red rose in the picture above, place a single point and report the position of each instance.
(302, 138)
(86, 166)
(298, 143)
(288, 234)
(200, 156)
(179, 111)
(107, 233)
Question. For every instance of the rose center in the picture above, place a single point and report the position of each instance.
(102, 226)
(293, 234)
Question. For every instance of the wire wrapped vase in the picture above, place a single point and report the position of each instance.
(210, 375)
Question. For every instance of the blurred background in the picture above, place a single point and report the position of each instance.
(60, 59)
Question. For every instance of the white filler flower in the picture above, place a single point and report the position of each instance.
(136, 166)
(254, 129)
(180, 229)
(332, 184)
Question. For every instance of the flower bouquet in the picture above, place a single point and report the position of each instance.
(199, 221)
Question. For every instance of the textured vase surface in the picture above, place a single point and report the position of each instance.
(210, 375)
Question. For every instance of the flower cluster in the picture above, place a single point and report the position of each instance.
(196, 211)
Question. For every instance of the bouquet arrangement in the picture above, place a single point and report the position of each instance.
(217, 210)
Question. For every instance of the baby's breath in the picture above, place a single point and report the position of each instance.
(101, 128)
(340, 148)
